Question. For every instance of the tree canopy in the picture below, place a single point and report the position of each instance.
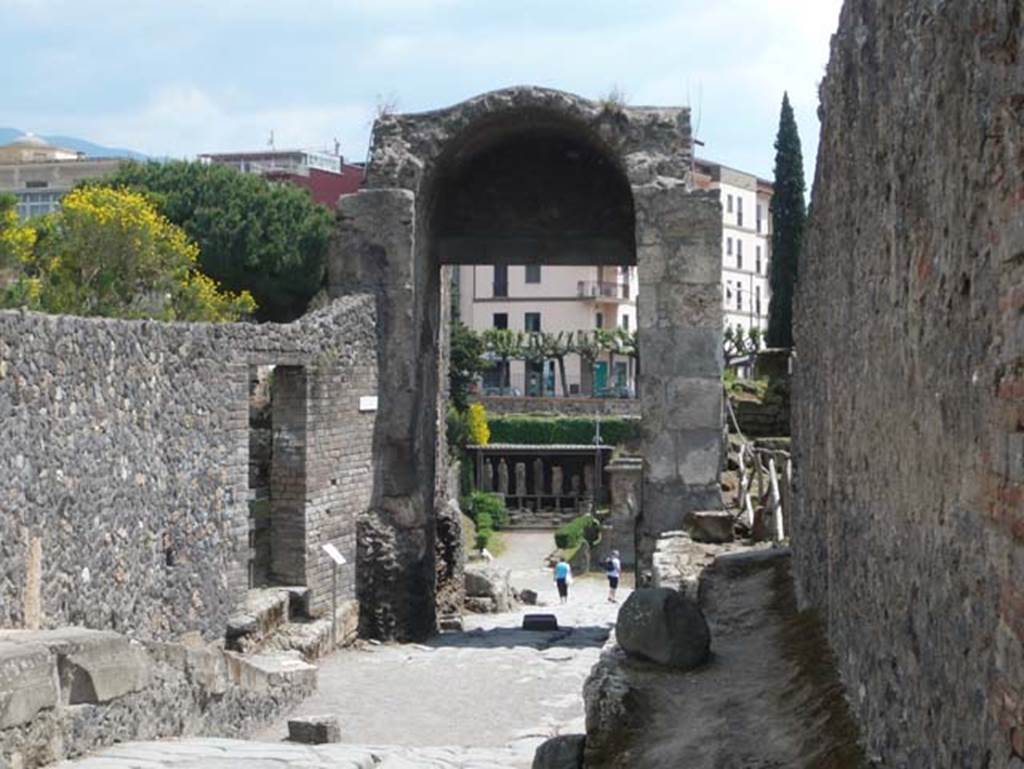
(108, 252)
(253, 234)
(789, 214)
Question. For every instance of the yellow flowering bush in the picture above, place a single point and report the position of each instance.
(476, 424)
(109, 252)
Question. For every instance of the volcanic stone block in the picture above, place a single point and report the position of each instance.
(28, 682)
(663, 626)
(314, 730)
(543, 622)
(711, 526)
(562, 752)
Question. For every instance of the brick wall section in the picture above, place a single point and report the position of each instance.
(908, 528)
(124, 469)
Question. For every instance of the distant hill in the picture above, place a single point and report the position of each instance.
(8, 135)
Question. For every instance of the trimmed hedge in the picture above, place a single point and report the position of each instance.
(573, 533)
(488, 514)
(549, 430)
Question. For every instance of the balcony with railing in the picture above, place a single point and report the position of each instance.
(602, 291)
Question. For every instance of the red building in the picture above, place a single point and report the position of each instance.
(327, 176)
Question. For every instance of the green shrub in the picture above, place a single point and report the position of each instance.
(485, 503)
(457, 433)
(570, 535)
(550, 430)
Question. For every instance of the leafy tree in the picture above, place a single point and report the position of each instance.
(788, 218)
(587, 344)
(255, 235)
(738, 343)
(556, 347)
(108, 252)
(467, 363)
(16, 239)
(505, 345)
(630, 347)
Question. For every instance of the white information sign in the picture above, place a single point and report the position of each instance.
(332, 551)
(368, 403)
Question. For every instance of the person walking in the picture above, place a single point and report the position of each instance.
(563, 576)
(613, 568)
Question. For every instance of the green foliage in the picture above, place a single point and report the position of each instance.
(546, 430)
(572, 534)
(739, 343)
(488, 513)
(255, 235)
(108, 252)
(456, 432)
(789, 216)
(16, 239)
(467, 363)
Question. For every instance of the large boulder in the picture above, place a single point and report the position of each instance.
(562, 752)
(711, 526)
(485, 580)
(664, 626)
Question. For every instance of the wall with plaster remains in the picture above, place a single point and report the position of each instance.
(908, 419)
(124, 472)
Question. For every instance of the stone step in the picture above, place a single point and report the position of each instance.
(265, 609)
(312, 637)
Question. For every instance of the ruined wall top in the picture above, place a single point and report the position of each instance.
(651, 144)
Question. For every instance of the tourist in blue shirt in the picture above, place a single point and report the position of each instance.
(563, 576)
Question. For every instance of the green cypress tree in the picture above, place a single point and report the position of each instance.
(789, 214)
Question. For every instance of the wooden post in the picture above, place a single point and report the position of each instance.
(776, 500)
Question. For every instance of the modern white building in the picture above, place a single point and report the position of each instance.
(569, 299)
(746, 241)
(39, 174)
(553, 299)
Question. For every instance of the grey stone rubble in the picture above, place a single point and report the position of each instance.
(908, 524)
(767, 697)
(69, 691)
(488, 588)
(664, 626)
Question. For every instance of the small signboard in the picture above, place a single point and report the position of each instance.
(368, 403)
(332, 551)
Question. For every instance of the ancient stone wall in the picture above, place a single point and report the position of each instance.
(124, 473)
(908, 528)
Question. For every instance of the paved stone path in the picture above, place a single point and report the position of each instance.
(495, 691)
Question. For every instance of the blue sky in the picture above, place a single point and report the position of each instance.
(180, 77)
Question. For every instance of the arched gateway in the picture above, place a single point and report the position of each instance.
(518, 176)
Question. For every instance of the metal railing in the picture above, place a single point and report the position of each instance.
(599, 289)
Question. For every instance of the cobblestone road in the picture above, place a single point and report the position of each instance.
(494, 691)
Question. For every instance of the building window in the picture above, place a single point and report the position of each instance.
(501, 320)
(728, 246)
(739, 296)
(760, 214)
(625, 322)
(739, 254)
(728, 205)
(757, 300)
(599, 320)
(533, 273)
(757, 259)
(739, 211)
(531, 322)
(36, 185)
(500, 280)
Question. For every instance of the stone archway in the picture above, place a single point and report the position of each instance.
(514, 176)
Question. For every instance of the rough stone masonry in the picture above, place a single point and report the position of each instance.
(527, 175)
(908, 526)
(125, 458)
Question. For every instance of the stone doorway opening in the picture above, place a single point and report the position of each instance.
(277, 475)
(526, 176)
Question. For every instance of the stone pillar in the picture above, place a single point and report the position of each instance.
(679, 252)
(538, 477)
(557, 482)
(503, 477)
(488, 473)
(626, 481)
(521, 490)
(374, 252)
